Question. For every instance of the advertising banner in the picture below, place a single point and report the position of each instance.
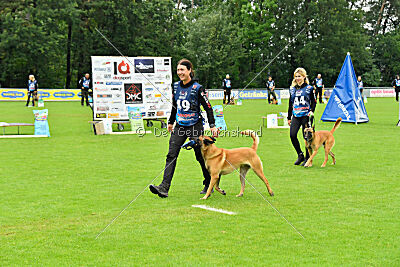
(41, 124)
(119, 83)
(136, 119)
(253, 94)
(45, 94)
(217, 94)
(219, 117)
(381, 92)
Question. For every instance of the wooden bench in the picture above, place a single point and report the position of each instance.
(5, 124)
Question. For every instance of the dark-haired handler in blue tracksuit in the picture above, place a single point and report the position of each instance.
(301, 105)
(187, 97)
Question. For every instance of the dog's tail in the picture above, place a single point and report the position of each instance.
(337, 123)
(253, 135)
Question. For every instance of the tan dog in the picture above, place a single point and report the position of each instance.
(314, 140)
(221, 161)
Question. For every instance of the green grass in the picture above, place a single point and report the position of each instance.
(58, 193)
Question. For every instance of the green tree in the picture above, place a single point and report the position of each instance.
(229, 37)
(331, 29)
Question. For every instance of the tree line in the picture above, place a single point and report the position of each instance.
(54, 39)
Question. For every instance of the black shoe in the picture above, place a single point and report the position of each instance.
(304, 163)
(300, 159)
(204, 191)
(159, 190)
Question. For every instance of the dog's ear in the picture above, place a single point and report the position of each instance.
(212, 138)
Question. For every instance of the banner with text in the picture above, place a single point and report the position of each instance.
(119, 83)
(215, 94)
(45, 94)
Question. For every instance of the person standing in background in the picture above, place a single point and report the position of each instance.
(360, 85)
(271, 90)
(85, 83)
(318, 84)
(32, 89)
(396, 86)
(227, 85)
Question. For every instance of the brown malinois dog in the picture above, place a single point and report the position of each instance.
(220, 161)
(314, 140)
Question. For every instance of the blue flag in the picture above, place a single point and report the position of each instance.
(345, 100)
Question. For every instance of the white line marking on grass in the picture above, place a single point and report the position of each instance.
(214, 209)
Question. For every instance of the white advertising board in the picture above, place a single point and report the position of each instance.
(382, 92)
(117, 84)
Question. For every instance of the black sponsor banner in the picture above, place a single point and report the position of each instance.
(133, 93)
(144, 65)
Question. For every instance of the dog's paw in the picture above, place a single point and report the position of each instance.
(323, 166)
(204, 198)
(271, 194)
(240, 195)
(223, 192)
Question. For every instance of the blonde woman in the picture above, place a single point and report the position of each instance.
(32, 89)
(301, 106)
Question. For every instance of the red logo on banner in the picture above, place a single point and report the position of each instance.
(123, 68)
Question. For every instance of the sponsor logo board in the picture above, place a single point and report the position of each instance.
(102, 108)
(104, 96)
(126, 81)
(101, 115)
(113, 83)
(113, 115)
(144, 65)
(133, 93)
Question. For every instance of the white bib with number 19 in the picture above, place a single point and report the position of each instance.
(183, 104)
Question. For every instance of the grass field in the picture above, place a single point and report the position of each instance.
(58, 193)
